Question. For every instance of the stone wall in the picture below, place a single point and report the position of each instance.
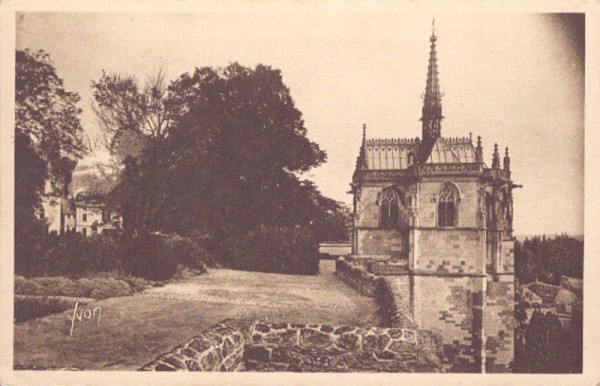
(239, 345)
(356, 276)
(365, 260)
(507, 260)
(393, 300)
(383, 268)
(317, 348)
(499, 324)
(220, 348)
(467, 206)
(453, 308)
(448, 251)
(382, 242)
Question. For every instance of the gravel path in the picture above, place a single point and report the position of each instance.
(135, 329)
(268, 290)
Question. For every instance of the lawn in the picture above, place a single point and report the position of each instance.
(135, 329)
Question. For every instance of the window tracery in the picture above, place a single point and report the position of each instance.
(389, 207)
(447, 206)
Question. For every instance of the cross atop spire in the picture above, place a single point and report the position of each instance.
(432, 98)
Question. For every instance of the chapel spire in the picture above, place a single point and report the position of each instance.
(432, 98)
(361, 162)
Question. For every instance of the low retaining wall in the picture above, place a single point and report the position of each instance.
(239, 345)
(357, 276)
(388, 267)
(317, 348)
(364, 260)
(220, 348)
(393, 309)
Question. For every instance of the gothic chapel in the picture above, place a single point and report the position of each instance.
(443, 219)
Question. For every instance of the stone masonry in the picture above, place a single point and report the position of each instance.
(220, 348)
(239, 345)
(444, 218)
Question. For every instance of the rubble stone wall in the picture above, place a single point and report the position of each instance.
(239, 345)
(220, 348)
(356, 276)
(317, 348)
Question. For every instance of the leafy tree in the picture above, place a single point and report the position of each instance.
(547, 259)
(48, 114)
(30, 171)
(135, 123)
(48, 142)
(246, 124)
(226, 160)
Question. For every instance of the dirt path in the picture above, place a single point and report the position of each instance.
(134, 329)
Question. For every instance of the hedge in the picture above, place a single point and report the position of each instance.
(275, 249)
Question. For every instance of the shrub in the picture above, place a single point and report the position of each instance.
(138, 284)
(187, 252)
(86, 286)
(204, 241)
(275, 249)
(25, 286)
(98, 288)
(58, 286)
(109, 288)
(74, 255)
(152, 258)
(31, 307)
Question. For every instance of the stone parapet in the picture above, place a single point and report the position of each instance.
(318, 348)
(220, 348)
(356, 276)
(393, 307)
(240, 345)
(390, 267)
(364, 260)
(393, 301)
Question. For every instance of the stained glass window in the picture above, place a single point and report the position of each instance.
(389, 209)
(447, 207)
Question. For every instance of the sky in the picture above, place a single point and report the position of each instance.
(515, 79)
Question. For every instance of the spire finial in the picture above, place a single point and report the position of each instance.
(506, 161)
(496, 158)
(432, 99)
(433, 27)
(364, 139)
(361, 162)
(479, 151)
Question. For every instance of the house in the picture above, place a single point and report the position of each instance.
(572, 284)
(550, 298)
(443, 217)
(94, 216)
(50, 209)
(88, 214)
(68, 215)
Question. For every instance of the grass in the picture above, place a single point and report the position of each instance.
(135, 329)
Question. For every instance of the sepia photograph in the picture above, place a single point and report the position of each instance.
(300, 187)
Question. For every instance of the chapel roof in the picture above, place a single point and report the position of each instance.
(451, 151)
(389, 153)
(392, 153)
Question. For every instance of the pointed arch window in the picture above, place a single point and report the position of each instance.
(389, 209)
(447, 206)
